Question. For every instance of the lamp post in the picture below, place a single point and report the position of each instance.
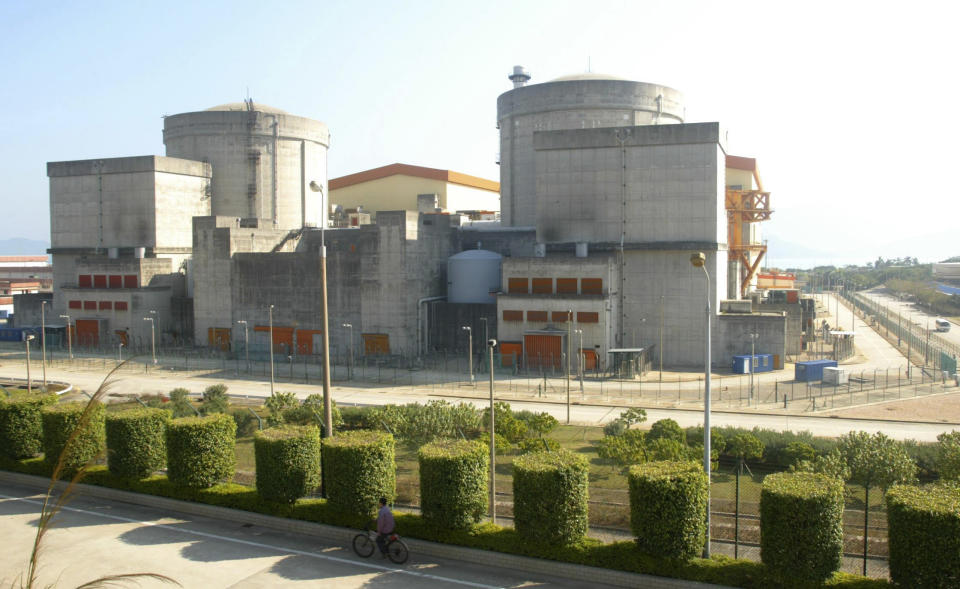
(569, 334)
(119, 352)
(469, 331)
(753, 360)
(579, 332)
(327, 402)
(153, 339)
(491, 344)
(27, 340)
(246, 343)
(699, 260)
(350, 359)
(271, 349)
(156, 317)
(69, 337)
(43, 340)
(486, 336)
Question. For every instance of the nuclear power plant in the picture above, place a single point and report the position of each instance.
(583, 247)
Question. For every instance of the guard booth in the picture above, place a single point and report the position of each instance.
(760, 363)
(629, 362)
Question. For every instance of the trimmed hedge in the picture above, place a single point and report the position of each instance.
(668, 508)
(550, 497)
(200, 450)
(288, 462)
(801, 525)
(59, 423)
(454, 477)
(924, 535)
(137, 441)
(21, 428)
(359, 468)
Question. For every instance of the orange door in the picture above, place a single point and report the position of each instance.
(543, 351)
(219, 337)
(589, 359)
(88, 332)
(375, 344)
(305, 339)
(510, 352)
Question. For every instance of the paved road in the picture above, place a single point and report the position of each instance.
(873, 350)
(911, 313)
(94, 537)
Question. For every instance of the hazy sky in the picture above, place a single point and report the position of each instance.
(850, 107)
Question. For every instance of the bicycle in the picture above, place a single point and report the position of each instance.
(365, 542)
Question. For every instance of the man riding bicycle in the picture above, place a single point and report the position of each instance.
(385, 525)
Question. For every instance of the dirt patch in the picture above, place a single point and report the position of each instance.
(942, 408)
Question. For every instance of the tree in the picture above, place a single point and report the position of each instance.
(542, 424)
(277, 403)
(667, 428)
(625, 449)
(180, 399)
(869, 461)
(948, 455)
(795, 453)
(633, 416)
(215, 399)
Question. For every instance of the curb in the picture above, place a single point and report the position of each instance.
(337, 535)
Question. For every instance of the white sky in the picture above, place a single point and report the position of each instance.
(850, 107)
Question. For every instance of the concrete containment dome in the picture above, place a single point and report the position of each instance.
(263, 160)
(580, 101)
(472, 277)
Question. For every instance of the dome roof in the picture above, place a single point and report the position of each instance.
(587, 76)
(243, 107)
(476, 255)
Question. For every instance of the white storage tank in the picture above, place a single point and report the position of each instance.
(473, 276)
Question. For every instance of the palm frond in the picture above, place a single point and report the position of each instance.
(122, 580)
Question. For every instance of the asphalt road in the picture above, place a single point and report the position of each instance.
(911, 313)
(94, 537)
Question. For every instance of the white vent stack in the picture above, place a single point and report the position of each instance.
(520, 76)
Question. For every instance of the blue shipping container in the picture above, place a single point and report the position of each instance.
(762, 363)
(811, 371)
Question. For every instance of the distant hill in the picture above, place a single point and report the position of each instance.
(19, 246)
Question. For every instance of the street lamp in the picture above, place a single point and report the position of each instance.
(69, 338)
(485, 334)
(43, 340)
(569, 345)
(699, 260)
(29, 382)
(469, 331)
(271, 349)
(753, 359)
(491, 344)
(327, 404)
(350, 362)
(246, 342)
(579, 332)
(119, 352)
(159, 327)
(153, 339)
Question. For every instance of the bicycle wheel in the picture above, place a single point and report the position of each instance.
(363, 545)
(397, 552)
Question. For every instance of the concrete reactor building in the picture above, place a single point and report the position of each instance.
(582, 249)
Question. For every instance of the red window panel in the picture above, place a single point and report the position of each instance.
(566, 286)
(512, 315)
(99, 281)
(130, 281)
(106, 305)
(559, 316)
(591, 286)
(518, 285)
(89, 305)
(120, 306)
(116, 281)
(540, 316)
(588, 317)
(85, 281)
(75, 305)
(543, 286)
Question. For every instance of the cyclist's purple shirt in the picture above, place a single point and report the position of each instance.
(385, 522)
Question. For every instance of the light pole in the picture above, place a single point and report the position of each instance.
(153, 339)
(350, 360)
(27, 340)
(486, 336)
(700, 261)
(753, 360)
(469, 331)
(491, 344)
(69, 337)
(119, 352)
(580, 358)
(43, 340)
(246, 343)
(661, 341)
(327, 402)
(270, 312)
(569, 334)
(156, 317)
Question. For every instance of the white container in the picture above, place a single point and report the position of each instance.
(835, 376)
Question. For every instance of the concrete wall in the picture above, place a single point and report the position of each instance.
(26, 309)
(399, 192)
(735, 330)
(444, 326)
(263, 161)
(506, 241)
(568, 104)
(794, 323)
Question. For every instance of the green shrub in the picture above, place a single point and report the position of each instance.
(667, 429)
(59, 423)
(247, 423)
(537, 445)
(200, 450)
(801, 523)
(615, 428)
(550, 497)
(288, 462)
(453, 483)
(215, 399)
(137, 441)
(795, 453)
(625, 449)
(277, 404)
(180, 403)
(21, 428)
(668, 503)
(359, 468)
(924, 535)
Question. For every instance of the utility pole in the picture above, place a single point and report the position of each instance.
(569, 333)
(491, 344)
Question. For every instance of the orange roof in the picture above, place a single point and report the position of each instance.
(417, 171)
(747, 164)
(23, 259)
